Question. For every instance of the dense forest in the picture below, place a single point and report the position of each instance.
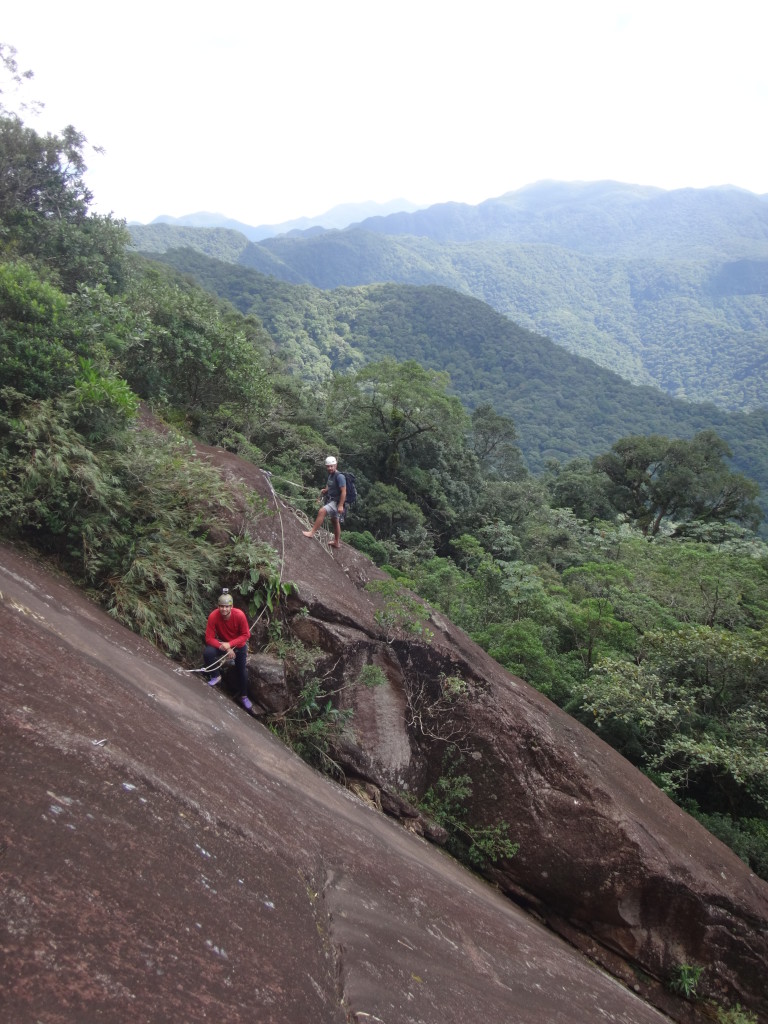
(668, 289)
(563, 406)
(628, 585)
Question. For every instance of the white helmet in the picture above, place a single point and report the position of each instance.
(330, 461)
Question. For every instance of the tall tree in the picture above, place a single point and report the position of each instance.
(494, 441)
(400, 426)
(655, 478)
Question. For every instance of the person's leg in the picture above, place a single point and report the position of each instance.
(336, 532)
(241, 675)
(317, 523)
(210, 656)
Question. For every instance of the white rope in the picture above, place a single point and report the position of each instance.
(225, 657)
(324, 541)
(280, 517)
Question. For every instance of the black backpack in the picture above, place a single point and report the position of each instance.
(351, 497)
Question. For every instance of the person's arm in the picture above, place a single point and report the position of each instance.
(211, 639)
(342, 497)
(244, 631)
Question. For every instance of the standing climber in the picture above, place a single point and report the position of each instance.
(227, 633)
(335, 493)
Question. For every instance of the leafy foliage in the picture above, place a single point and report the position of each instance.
(654, 478)
(685, 980)
(446, 802)
(735, 1015)
(130, 519)
(402, 615)
(563, 407)
(313, 726)
(191, 354)
(697, 702)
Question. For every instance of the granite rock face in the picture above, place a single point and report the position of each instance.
(165, 858)
(605, 857)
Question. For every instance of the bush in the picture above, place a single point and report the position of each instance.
(747, 837)
(312, 726)
(447, 803)
(368, 544)
(735, 1015)
(684, 980)
(128, 517)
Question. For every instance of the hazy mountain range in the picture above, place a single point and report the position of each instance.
(338, 217)
(668, 289)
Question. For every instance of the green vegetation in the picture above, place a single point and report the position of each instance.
(617, 572)
(372, 675)
(447, 803)
(665, 289)
(735, 1015)
(685, 979)
(312, 726)
(401, 615)
(563, 407)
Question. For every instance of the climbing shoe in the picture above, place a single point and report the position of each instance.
(245, 701)
(214, 680)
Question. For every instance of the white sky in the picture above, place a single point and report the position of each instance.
(268, 110)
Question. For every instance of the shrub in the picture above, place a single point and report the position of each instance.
(312, 726)
(368, 544)
(735, 1015)
(684, 980)
(446, 802)
(372, 675)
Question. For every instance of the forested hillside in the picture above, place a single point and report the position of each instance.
(563, 406)
(629, 587)
(665, 288)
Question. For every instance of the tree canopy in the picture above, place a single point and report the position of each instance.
(654, 478)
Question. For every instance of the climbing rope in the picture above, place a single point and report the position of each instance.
(220, 661)
(301, 516)
(272, 491)
(304, 521)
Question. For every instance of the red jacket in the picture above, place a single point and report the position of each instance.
(234, 631)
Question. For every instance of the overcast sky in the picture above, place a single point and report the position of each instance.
(269, 111)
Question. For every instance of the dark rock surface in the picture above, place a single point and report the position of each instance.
(605, 857)
(164, 857)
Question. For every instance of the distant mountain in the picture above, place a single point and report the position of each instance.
(668, 289)
(338, 217)
(604, 218)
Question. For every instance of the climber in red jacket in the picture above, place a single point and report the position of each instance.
(227, 633)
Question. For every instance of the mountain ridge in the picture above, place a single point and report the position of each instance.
(337, 217)
(605, 217)
(665, 288)
(392, 216)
